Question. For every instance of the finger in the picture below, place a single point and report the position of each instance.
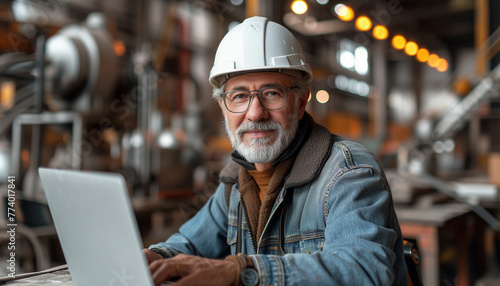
(159, 273)
(155, 265)
(164, 271)
(190, 280)
(151, 256)
(178, 269)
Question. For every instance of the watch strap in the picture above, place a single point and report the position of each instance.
(243, 262)
(247, 261)
(240, 266)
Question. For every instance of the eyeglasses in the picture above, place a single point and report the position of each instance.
(270, 97)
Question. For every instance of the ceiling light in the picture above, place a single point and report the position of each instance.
(363, 23)
(299, 7)
(353, 86)
(442, 65)
(361, 60)
(398, 42)
(422, 55)
(345, 13)
(380, 32)
(363, 89)
(341, 82)
(411, 48)
(433, 60)
(347, 60)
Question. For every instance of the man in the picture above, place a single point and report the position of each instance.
(297, 205)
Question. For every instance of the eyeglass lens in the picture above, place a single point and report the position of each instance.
(272, 98)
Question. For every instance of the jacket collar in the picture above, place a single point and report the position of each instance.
(312, 156)
(313, 144)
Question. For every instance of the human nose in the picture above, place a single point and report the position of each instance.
(256, 111)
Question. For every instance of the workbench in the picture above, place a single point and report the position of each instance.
(436, 227)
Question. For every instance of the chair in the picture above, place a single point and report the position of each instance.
(412, 258)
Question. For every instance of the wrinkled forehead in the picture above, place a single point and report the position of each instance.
(255, 81)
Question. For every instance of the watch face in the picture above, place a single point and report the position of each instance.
(249, 277)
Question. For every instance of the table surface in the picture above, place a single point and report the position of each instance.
(60, 277)
(432, 215)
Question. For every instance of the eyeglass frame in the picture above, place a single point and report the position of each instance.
(286, 89)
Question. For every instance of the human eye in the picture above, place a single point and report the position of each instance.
(272, 92)
(237, 95)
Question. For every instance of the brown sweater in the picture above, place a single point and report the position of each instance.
(257, 211)
(262, 179)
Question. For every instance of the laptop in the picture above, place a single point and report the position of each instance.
(96, 227)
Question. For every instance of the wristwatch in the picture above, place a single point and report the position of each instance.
(249, 275)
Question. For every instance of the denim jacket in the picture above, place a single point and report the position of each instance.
(333, 222)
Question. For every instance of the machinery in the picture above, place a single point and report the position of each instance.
(82, 67)
(74, 73)
(76, 69)
(413, 158)
(71, 75)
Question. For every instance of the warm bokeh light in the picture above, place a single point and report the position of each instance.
(422, 55)
(309, 98)
(442, 65)
(411, 48)
(363, 23)
(322, 96)
(119, 48)
(462, 86)
(7, 94)
(398, 42)
(345, 13)
(380, 32)
(433, 60)
(25, 155)
(299, 7)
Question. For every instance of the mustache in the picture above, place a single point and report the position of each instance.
(259, 125)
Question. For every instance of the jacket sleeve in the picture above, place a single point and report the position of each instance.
(362, 244)
(203, 235)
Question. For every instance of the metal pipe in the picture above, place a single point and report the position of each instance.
(462, 112)
(36, 130)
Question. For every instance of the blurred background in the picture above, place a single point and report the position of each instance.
(122, 86)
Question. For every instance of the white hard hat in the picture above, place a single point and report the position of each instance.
(255, 45)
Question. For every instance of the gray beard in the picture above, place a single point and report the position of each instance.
(259, 150)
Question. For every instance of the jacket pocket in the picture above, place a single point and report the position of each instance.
(312, 245)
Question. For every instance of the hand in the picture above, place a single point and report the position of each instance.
(151, 256)
(194, 270)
